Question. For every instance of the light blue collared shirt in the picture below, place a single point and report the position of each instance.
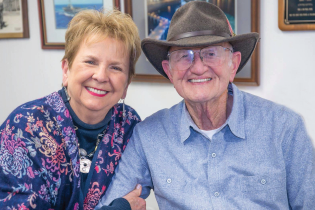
(262, 158)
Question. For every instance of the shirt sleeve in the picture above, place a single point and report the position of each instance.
(299, 157)
(117, 204)
(131, 170)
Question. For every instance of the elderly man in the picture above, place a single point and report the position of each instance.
(220, 148)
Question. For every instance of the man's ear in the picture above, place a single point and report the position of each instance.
(236, 60)
(65, 69)
(166, 68)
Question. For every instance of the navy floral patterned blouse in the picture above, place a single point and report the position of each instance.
(39, 160)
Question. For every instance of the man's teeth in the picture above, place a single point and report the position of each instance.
(96, 91)
(200, 80)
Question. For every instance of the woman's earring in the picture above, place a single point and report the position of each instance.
(66, 92)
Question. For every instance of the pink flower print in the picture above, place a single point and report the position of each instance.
(22, 207)
(122, 130)
(97, 169)
(93, 196)
(76, 206)
(68, 131)
(30, 173)
(39, 123)
(66, 113)
(110, 167)
(106, 138)
(119, 140)
(13, 158)
(29, 128)
(117, 125)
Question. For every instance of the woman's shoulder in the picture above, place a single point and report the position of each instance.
(49, 105)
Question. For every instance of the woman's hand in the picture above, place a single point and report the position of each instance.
(134, 199)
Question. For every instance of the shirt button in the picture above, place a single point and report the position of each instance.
(213, 155)
(169, 181)
(263, 181)
(216, 194)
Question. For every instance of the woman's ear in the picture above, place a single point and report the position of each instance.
(65, 69)
(125, 92)
(166, 68)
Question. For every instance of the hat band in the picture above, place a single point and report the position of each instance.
(199, 33)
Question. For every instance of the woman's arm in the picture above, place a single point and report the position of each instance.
(131, 201)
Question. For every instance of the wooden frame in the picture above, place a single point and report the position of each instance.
(285, 25)
(43, 29)
(252, 80)
(25, 31)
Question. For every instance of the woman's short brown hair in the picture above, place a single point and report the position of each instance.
(102, 24)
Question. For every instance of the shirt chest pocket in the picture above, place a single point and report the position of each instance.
(261, 182)
(169, 184)
(263, 189)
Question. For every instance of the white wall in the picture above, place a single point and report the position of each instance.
(287, 70)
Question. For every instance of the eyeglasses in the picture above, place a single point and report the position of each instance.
(211, 56)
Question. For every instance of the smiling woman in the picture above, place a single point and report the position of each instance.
(60, 151)
(97, 79)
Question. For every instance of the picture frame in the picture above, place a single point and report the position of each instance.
(293, 16)
(248, 18)
(14, 20)
(52, 37)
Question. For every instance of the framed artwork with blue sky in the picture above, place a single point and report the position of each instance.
(54, 16)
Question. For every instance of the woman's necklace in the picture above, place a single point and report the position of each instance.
(85, 162)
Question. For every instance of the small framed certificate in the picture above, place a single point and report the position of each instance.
(296, 15)
(14, 19)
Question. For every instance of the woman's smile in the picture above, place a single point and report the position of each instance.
(96, 92)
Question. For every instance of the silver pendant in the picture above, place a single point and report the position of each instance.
(85, 165)
(82, 152)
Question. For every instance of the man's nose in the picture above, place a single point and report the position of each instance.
(197, 65)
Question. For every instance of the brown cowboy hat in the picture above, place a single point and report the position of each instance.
(198, 24)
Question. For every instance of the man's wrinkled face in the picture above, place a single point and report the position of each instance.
(205, 78)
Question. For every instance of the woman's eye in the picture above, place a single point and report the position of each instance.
(116, 68)
(90, 62)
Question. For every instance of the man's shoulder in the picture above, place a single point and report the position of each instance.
(268, 108)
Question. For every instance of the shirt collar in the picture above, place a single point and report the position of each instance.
(235, 120)
(185, 123)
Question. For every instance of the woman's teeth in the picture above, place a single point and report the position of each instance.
(101, 92)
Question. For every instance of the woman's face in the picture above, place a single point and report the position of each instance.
(97, 79)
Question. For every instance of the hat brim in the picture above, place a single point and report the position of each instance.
(156, 50)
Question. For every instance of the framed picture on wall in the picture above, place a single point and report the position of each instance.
(153, 18)
(296, 15)
(54, 16)
(13, 19)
